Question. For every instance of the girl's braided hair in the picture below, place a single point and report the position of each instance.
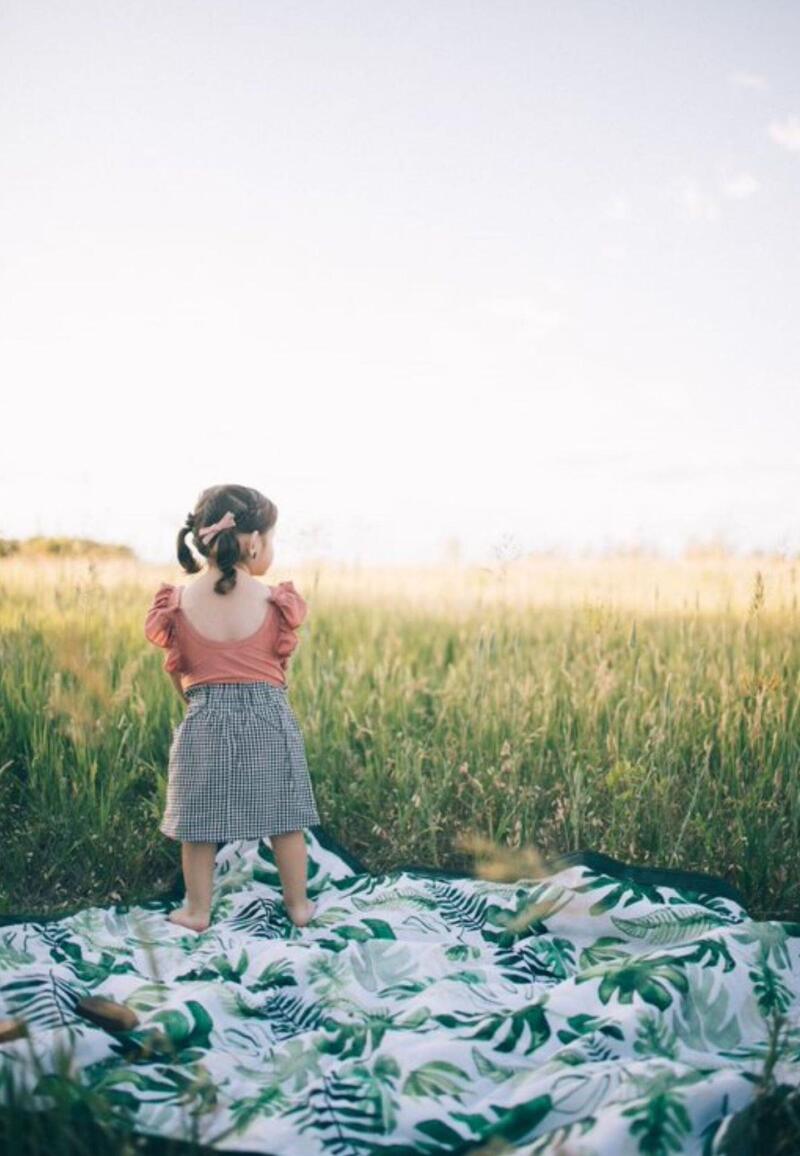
(252, 510)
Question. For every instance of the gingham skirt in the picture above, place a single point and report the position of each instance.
(237, 766)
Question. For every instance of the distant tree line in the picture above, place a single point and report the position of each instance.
(62, 548)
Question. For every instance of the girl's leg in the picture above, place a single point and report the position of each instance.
(292, 861)
(197, 860)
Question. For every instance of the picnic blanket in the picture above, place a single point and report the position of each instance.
(603, 1008)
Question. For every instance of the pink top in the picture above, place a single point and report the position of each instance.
(262, 656)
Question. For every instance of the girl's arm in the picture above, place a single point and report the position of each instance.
(176, 679)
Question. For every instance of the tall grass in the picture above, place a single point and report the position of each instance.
(644, 708)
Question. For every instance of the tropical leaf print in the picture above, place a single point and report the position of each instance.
(668, 925)
(348, 1109)
(435, 1079)
(655, 1037)
(378, 966)
(521, 1031)
(770, 991)
(458, 907)
(230, 968)
(711, 953)
(256, 920)
(355, 1032)
(516, 1123)
(417, 1012)
(536, 961)
(177, 1034)
(148, 996)
(10, 956)
(395, 899)
(705, 1020)
(44, 999)
(605, 949)
(773, 939)
(650, 979)
(583, 1025)
(486, 1067)
(660, 1124)
(532, 914)
(562, 1139)
(618, 893)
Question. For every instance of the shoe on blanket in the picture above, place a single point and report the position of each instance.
(107, 1014)
(15, 1029)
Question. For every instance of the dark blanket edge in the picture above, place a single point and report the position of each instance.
(697, 882)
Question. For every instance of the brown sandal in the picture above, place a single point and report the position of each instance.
(107, 1014)
(12, 1030)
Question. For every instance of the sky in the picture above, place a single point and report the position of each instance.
(442, 279)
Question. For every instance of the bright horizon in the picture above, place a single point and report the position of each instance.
(521, 273)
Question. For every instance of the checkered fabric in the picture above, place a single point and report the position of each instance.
(237, 766)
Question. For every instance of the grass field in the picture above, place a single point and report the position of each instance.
(637, 706)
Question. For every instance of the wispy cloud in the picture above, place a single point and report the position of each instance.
(613, 252)
(786, 133)
(748, 79)
(538, 319)
(619, 207)
(696, 471)
(697, 204)
(591, 459)
(740, 186)
(555, 284)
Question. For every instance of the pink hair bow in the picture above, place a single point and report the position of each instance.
(228, 519)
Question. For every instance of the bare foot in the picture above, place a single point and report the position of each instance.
(301, 914)
(189, 919)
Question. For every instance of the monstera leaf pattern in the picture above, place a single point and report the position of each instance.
(603, 1008)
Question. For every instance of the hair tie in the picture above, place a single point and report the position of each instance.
(227, 520)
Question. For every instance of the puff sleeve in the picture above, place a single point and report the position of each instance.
(159, 624)
(292, 610)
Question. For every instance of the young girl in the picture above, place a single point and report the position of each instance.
(237, 762)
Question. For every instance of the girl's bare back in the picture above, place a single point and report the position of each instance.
(225, 617)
